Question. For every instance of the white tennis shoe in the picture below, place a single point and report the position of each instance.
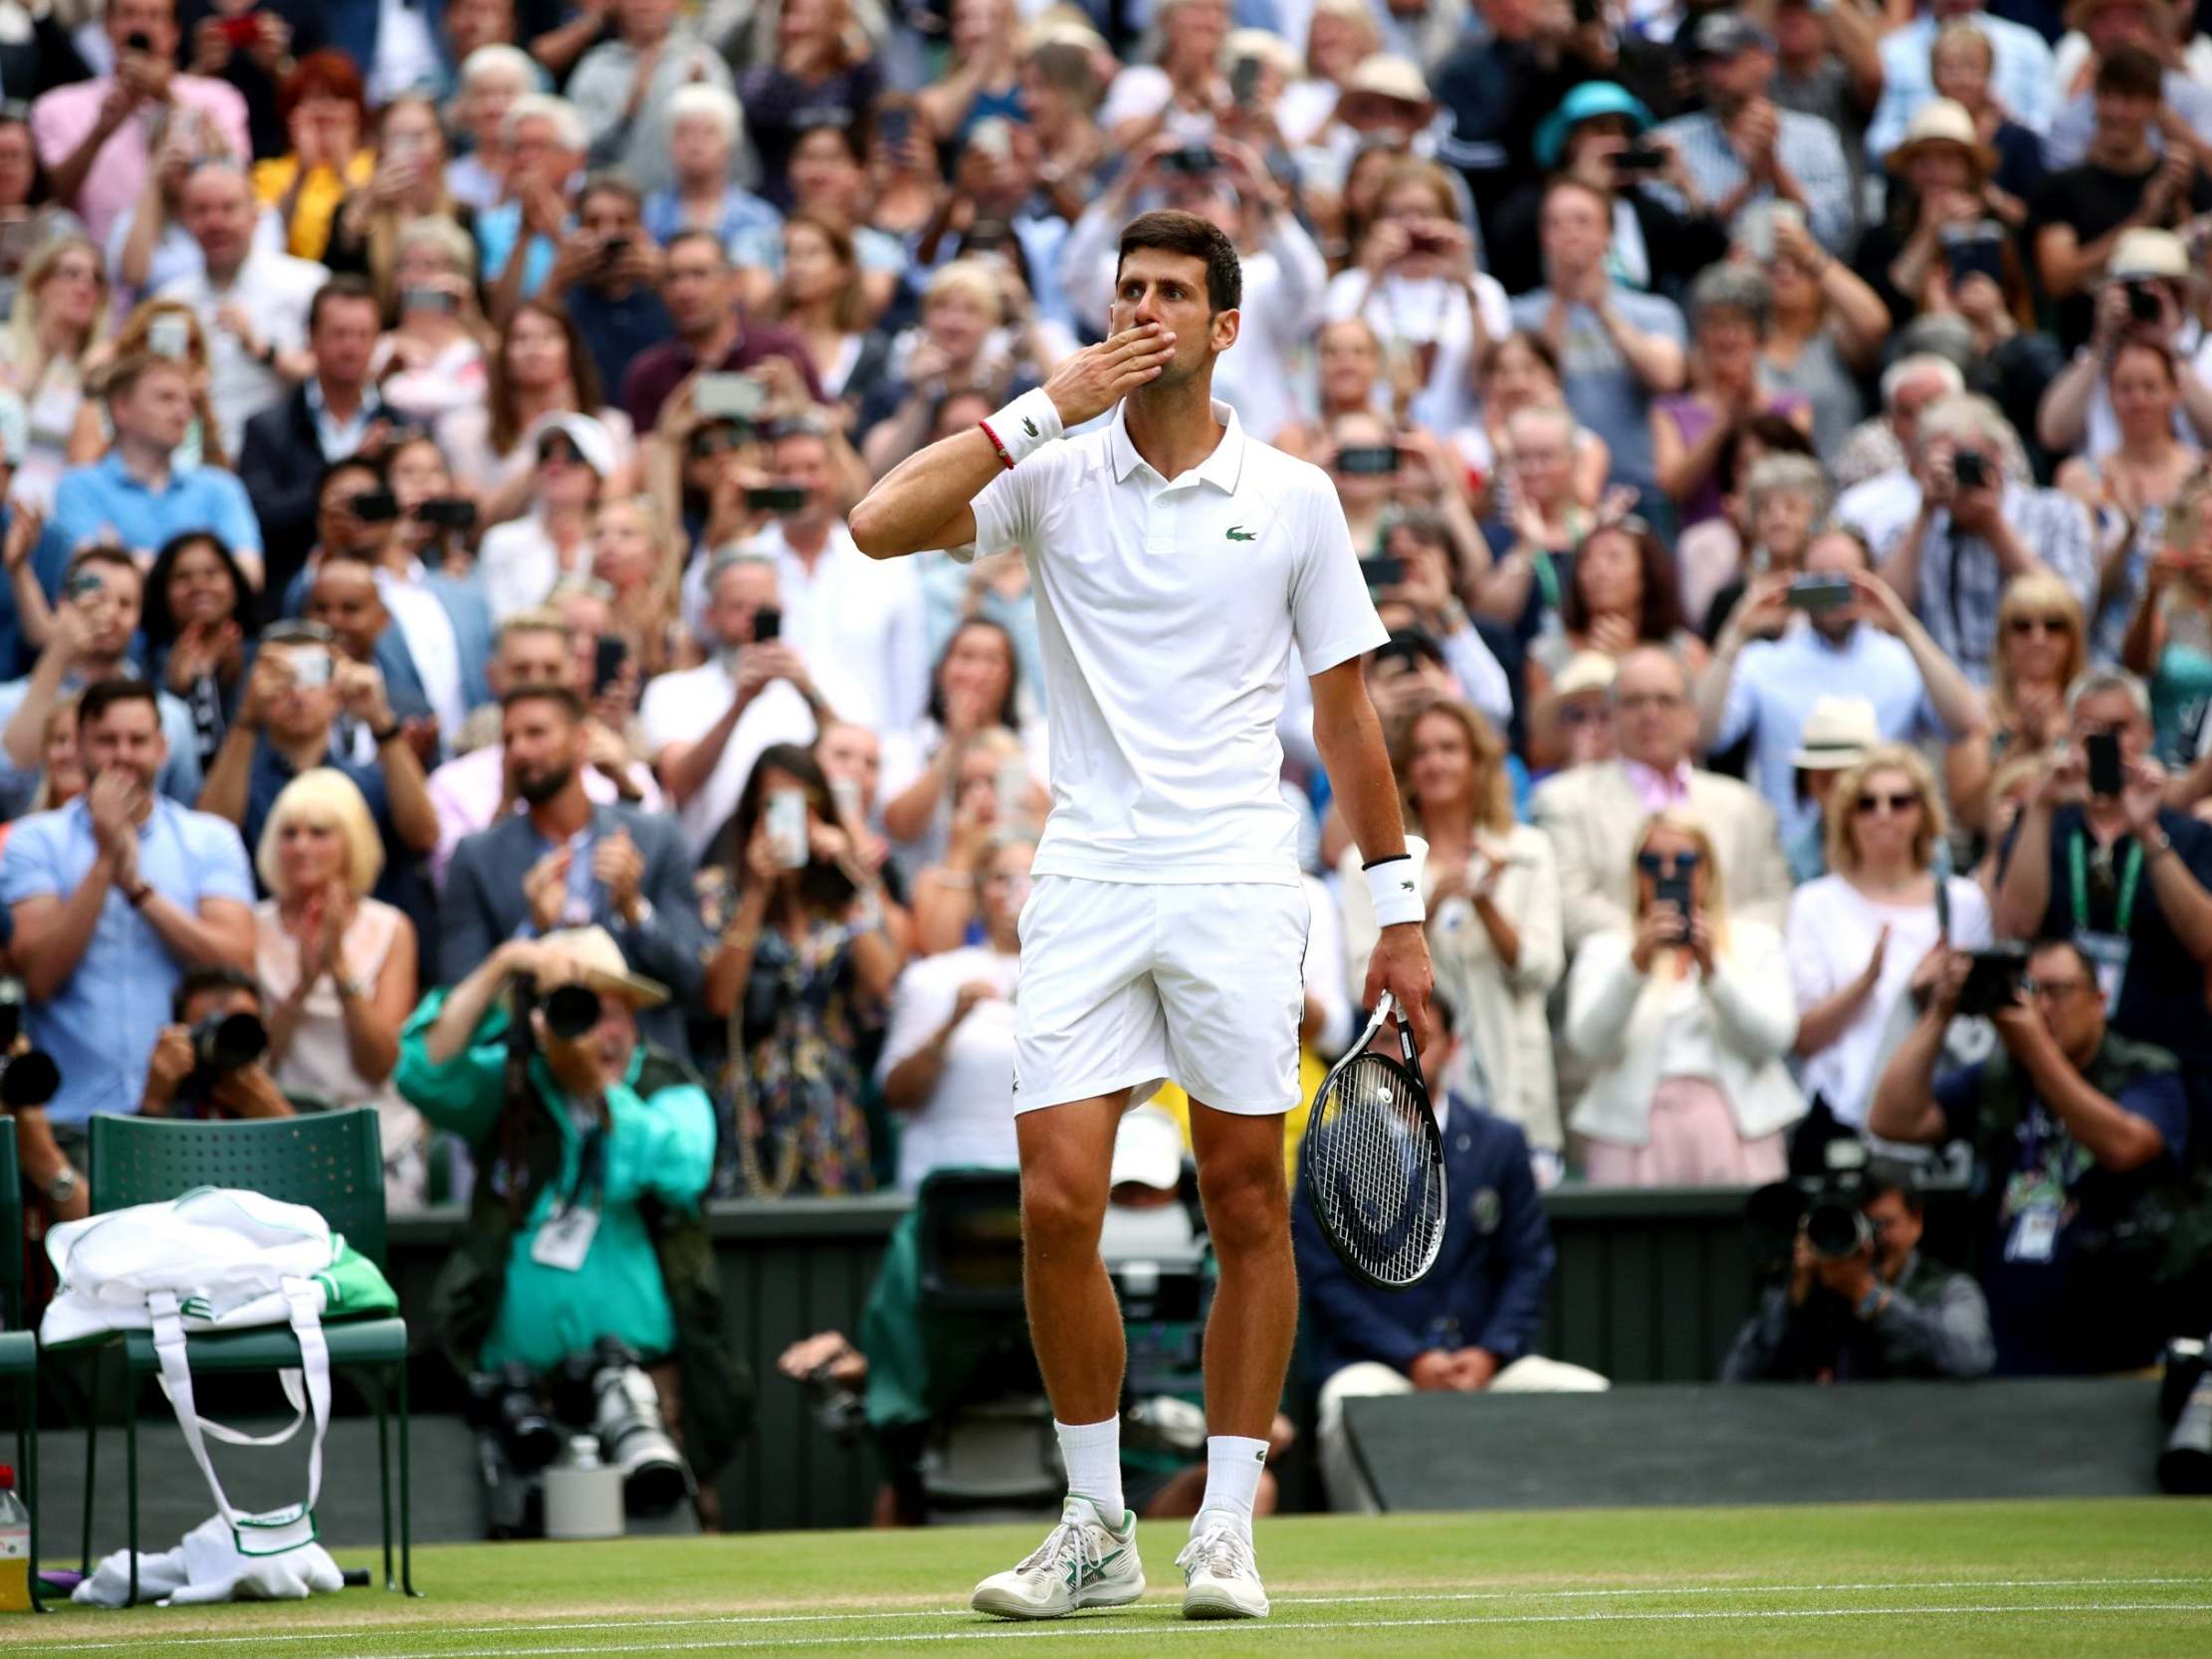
(1082, 1563)
(1220, 1579)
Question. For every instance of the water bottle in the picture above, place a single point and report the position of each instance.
(15, 1547)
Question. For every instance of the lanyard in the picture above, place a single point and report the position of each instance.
(2131, 877)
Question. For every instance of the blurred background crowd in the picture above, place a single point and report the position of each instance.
(1774, 437)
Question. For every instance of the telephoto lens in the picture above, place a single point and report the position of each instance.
(627, 1418)
(1835, 1228)
(227, 1043)
(28, 1078)
(2186, 1466)
(572, 1012)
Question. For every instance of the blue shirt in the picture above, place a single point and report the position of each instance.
(1807, 149)
(498, 229)
(1601, 387)
(91, 501)
(1776, 684)
(742, 214)
(180, 773)
(102, 1025)
(2022, 77)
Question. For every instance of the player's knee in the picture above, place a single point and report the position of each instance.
(1061, 1213)
(1248, 1204)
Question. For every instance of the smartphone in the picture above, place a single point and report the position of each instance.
(373, 506)
(2144, 303)
(1381, 570)
(1193, 159)
(994, 135)
(242, 32)
(775, 497)
(2103, 750)
(768, 624)
(1640, 158)
(137, 41)
(1243, 82)
(311, 667)
(1012, 789)
(612, 249)
(896, 125)
(1673, 889)
(845, 791)
(428, 299)
(1820, 593)
(1992, 982)
(729, 396)
(169, 336)
(787, 823)
(607, 657)
(1971, 469)
(451, 513)
(1975, 250)
(1367, 460)
(83, 584)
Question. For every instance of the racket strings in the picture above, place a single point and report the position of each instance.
(1376, 1184)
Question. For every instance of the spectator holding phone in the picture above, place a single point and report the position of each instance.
(1877, 926)
(710, 333)
(432, 360)
(706, 727)
(407, 187)
(2101, 860)
(2079, 1138)
(802, 971)
(1686, 1016)
(2169, 633)
(2043, 647)
(1857, 639)
(975, 687)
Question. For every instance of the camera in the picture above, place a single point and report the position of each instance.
(227, 1043)
(572, 1012)
(606, 1388)
(2144, 303)
(2185, 1403)
(1971, 469)
(505, 1405)
(452, 512)
(838, 1410)
(1823, 1208)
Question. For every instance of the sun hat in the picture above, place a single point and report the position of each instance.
(1838, 731)
(1585, 104)
(603, 967)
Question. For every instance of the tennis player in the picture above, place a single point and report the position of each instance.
(1177, 561)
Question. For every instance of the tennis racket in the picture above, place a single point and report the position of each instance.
(1373, 1163)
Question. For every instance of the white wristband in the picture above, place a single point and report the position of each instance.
(1393, 886)
(1024, 426)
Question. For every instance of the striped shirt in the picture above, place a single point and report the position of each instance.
(1807, 149)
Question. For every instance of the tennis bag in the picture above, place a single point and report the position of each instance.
(218, 1259)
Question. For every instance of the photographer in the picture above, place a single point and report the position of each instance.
(2079, 1136)
(595, 1147)
(1879, 1309)
(210, 1063)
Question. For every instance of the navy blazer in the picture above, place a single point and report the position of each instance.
(484, 907)
(1487, 1287)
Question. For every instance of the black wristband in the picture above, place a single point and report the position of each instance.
(1376, 863)
(381, 737)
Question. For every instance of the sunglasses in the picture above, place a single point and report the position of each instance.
(556, 449)
(1660, 864)
(1899, 804)
(2024, 625)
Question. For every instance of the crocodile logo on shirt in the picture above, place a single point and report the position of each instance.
(1237, 532)
(1030, 426)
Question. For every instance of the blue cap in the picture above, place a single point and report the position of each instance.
(1586, 103)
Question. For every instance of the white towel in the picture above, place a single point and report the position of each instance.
(207, 1566)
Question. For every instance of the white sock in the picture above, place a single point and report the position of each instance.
(1092, 1453)
(1233, 1466)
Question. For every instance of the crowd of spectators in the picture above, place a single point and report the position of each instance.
(1774, 438)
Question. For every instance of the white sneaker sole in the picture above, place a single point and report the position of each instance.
(1218, 1601)
(1000, 1602)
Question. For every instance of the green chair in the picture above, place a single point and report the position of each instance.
(331, 1163)
(19, 1349)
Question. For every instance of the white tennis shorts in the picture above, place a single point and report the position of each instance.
(1125, 985)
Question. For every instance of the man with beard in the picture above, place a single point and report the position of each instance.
(113, 898)
(568, 862)
(1869, 646)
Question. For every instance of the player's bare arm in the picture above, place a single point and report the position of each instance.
(1350, 739)
(923, 502)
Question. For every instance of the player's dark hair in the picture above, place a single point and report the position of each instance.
(1200, 239)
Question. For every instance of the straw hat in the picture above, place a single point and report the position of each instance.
(600, 962)
(1942, 121)
(2146, 254)
(1380, 74)
(1838, 731)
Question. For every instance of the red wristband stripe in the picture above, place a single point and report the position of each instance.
(996, 445)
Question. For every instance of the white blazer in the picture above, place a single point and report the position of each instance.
(1617, 1018)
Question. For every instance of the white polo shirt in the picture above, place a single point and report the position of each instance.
(1165, 615)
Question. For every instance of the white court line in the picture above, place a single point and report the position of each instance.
(341, 1632)
(1071, 1630)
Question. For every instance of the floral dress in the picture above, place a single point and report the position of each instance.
(792, 1081)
